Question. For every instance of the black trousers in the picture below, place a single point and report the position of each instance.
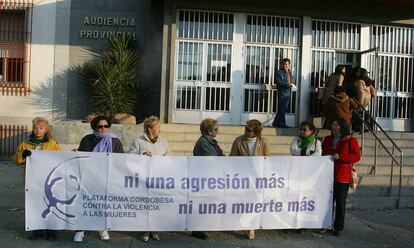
(339, 197)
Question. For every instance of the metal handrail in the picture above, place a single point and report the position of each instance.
(377, 139)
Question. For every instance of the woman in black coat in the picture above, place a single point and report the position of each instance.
(101, 140)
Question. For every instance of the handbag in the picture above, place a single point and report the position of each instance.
(354, 177)
(321, 93)
(354, 174)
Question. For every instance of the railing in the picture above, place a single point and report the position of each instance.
(374, 128)
(10, 137)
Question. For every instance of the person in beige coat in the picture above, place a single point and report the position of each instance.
(251, 143)
(150, 144)
(364, 88)
(334, 80)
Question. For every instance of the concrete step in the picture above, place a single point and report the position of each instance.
(385, 160)
(370, 151)
(383, 169)
(384, 180)
(382, 190)
(378, 202)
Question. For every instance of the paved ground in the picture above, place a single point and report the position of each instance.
(369, 228)
(364, 228)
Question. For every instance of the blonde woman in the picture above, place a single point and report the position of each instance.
(150, 144)
(39, 139)
(251, 143)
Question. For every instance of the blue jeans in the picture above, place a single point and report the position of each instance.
(283, 98)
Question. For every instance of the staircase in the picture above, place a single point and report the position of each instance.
(371, 193)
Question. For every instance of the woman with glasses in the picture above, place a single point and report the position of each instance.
(101, 140)
(207, 145)
(306, 144)
(150, 144)
(251, 143)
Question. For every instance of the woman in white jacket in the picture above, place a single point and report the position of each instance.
(306, 144)
(150, 144)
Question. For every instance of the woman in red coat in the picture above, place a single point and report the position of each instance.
(344, 150)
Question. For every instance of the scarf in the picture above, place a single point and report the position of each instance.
(105, 144)
(153, 140)
(36, 141)
(335, 140)
(306, 141)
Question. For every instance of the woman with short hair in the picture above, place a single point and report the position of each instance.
(39, 139)
(251, 143)
(207, 145)
(150, 144)
(101, 140)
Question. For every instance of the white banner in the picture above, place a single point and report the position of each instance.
(126, 192)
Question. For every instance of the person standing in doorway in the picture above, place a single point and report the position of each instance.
(283, 81)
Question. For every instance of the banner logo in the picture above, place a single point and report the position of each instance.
(52, 202)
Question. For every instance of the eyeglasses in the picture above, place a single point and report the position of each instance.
(249, 130)
(102, 126)
(304, 129)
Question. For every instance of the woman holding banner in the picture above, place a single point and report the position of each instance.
(251, 143)
(101, 140)
(207, 145)
(150, 144)
(345, 152)
(39, 139)
(306, 144)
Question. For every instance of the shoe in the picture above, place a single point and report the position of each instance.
(50, 237)
(322, 231)
(250, 234)
(199, 235)
(338, 233)
(145, 237)
(104, 235)
(301, 231)
(78, 236)
(155, 236)
(35, 236)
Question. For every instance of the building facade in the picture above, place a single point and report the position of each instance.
(208, 58)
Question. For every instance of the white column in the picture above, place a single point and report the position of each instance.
(304, 88)
(365, 42)
(236, 90)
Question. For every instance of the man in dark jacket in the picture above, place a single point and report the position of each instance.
(283, 81)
